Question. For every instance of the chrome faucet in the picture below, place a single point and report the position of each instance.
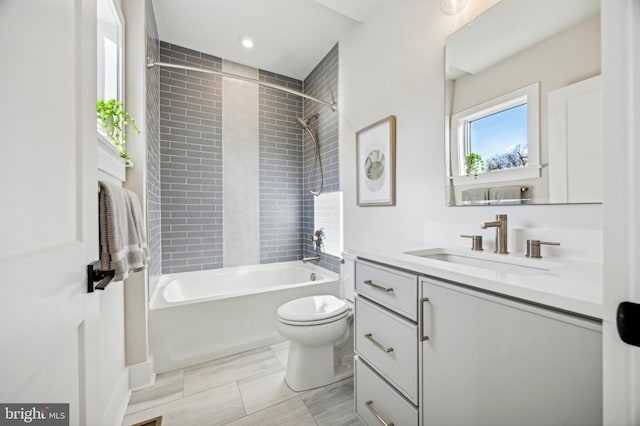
(311, 259)
(501, 232)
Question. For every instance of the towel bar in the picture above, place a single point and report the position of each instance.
(97, 275)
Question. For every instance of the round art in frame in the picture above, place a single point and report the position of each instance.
(375, 163)
(374, 169)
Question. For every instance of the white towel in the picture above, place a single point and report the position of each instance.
(123, 245)
(476, 196)
(506, 195)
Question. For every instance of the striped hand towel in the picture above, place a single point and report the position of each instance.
(123, 245)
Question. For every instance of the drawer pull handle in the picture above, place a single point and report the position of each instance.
(381, 419)
(422, 336)
(378, 286)
(378, 344)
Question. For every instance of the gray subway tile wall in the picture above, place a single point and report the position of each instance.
(191, 172)
(153, 149)
(190, 162)
(280, 164)
(321, 83)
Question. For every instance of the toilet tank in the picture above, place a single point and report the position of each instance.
(347, 276)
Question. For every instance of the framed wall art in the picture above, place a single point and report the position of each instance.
(376, 163)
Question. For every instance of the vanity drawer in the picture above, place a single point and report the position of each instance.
(375, 397)
(395, 289)
(389, 343)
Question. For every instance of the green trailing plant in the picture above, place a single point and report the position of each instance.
(474, 164)
(114, 119)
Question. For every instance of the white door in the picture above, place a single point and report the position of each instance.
(621, 130)
(575, 142)
(48, 203)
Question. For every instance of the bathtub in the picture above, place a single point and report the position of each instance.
(203, 315)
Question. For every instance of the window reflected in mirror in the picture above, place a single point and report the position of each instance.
(500, 138)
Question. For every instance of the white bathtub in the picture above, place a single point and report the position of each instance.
(202, 315)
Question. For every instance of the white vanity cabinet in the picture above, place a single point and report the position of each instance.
(388, 342)
(492, 360)
(378, 403)
(387, 369)
(394, 289)
(457, 355)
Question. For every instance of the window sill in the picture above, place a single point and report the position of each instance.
(504, 175)
(110, 165)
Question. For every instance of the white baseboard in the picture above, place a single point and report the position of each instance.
(117, 406)
(141, 375)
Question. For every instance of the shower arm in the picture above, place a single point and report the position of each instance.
(151, 63)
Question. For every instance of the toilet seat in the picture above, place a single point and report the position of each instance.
(319, 322)
(313, 310)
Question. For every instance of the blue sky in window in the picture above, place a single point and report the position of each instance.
(499, 132)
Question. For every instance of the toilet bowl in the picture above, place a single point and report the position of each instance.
(319, 329)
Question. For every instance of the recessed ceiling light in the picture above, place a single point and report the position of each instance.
(247, 42)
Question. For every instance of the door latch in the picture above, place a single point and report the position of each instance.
(628, 319)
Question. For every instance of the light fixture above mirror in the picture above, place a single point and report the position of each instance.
(452, 7)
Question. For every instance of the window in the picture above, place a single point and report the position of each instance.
(327, 216)
(109, 73)
(109, 49)
(497, 137)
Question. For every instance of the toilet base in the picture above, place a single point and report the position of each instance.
(313, 367)
(309, 367)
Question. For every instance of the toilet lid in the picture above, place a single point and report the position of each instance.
(312, 308)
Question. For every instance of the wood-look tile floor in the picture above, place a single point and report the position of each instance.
(243, 389)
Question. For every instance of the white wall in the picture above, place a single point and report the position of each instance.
(135, 289)
(394, 64)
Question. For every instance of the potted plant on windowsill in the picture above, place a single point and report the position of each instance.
(474, 164)
(114, 120)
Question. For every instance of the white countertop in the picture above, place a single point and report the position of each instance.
(569, 285)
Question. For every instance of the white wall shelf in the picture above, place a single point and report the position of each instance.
(110, 165)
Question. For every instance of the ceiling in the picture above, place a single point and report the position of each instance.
(291, 36)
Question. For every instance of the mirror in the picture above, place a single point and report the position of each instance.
(523, 105)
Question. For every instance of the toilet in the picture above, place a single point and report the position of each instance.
(320, 334)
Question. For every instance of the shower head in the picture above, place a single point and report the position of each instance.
(304, 122)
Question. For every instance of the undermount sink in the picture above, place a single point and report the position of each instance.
(493, 262)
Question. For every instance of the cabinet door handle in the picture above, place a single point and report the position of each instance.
(378, 286)
(422, 336)
(378, 344)
(381, 419)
